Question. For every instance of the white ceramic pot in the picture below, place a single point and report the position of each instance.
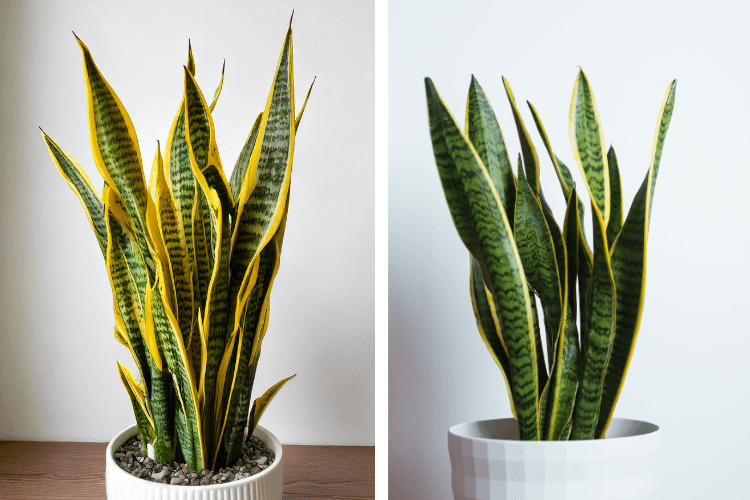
(266, 485)
(490, 462)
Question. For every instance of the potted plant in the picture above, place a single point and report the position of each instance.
(520, 253)
(191, 259)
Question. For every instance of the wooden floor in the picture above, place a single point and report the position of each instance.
(67, 471)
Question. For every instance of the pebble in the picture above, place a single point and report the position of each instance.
(254, 457)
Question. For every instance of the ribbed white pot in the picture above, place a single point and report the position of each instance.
(266, 485)
(490, 462)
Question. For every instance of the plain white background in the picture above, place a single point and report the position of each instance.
(689, 368)
(58, 376)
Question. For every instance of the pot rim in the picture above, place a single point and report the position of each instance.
(654, 432)
(128, 432)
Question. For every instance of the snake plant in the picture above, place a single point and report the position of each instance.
(520, 253)
(191, 259)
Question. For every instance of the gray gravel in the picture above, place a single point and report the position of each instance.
(131, 458)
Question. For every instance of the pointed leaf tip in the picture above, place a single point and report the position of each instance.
(290, 19)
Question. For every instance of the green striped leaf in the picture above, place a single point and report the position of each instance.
(488, 325)
(181, 179)
(562, 171)
(248, 347)
(260, 205)
(206, 165)
(163, 324)
(537, 252)
(127, 274)
(163, 407)
(304, 105)
(79, 182)
(235, 439)
(596, 339)
(200, 134)
(565, 370)
(587, 141)
(114, 146)
(204, 256)
(615, 218)
(260, 404)
(240, 168)
(530, 158)
(487, 138)
(483, 226)
(137, 395)
(629, 270)
(170, 227)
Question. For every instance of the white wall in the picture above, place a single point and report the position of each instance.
(58, 376)
(689, 368)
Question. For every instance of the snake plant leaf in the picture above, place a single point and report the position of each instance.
(79, 182)
(483, 226)
(170, 227)
(216, 315)
(304, 105)
(180, 177)
(597, 338)
(162, 322)
(260, 404)
(260, 205)
(563, 173)
(629, 269)
(218, 89)
(564, 373)
(163, 407)
(587, 141)
(530, 158)
(615, 218)
(114, 146)
(487, 138)
(206, 165)
(240, 168)
(201, 139)
(138, 399)
(254, 306)
(127, 274)
(202, 246)
(488, 325)
(234, 439)
(537, 252)
(191, 60)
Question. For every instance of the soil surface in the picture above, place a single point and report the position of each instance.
(131, 458)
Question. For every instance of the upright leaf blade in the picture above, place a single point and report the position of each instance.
(79, 182)
(260, 205)
(537, 252)
(487, 138)
(587, 141)
(597, 338)
(530, 158)
(615, 219)
(114, 146)
(483, 226)
(629, 270)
